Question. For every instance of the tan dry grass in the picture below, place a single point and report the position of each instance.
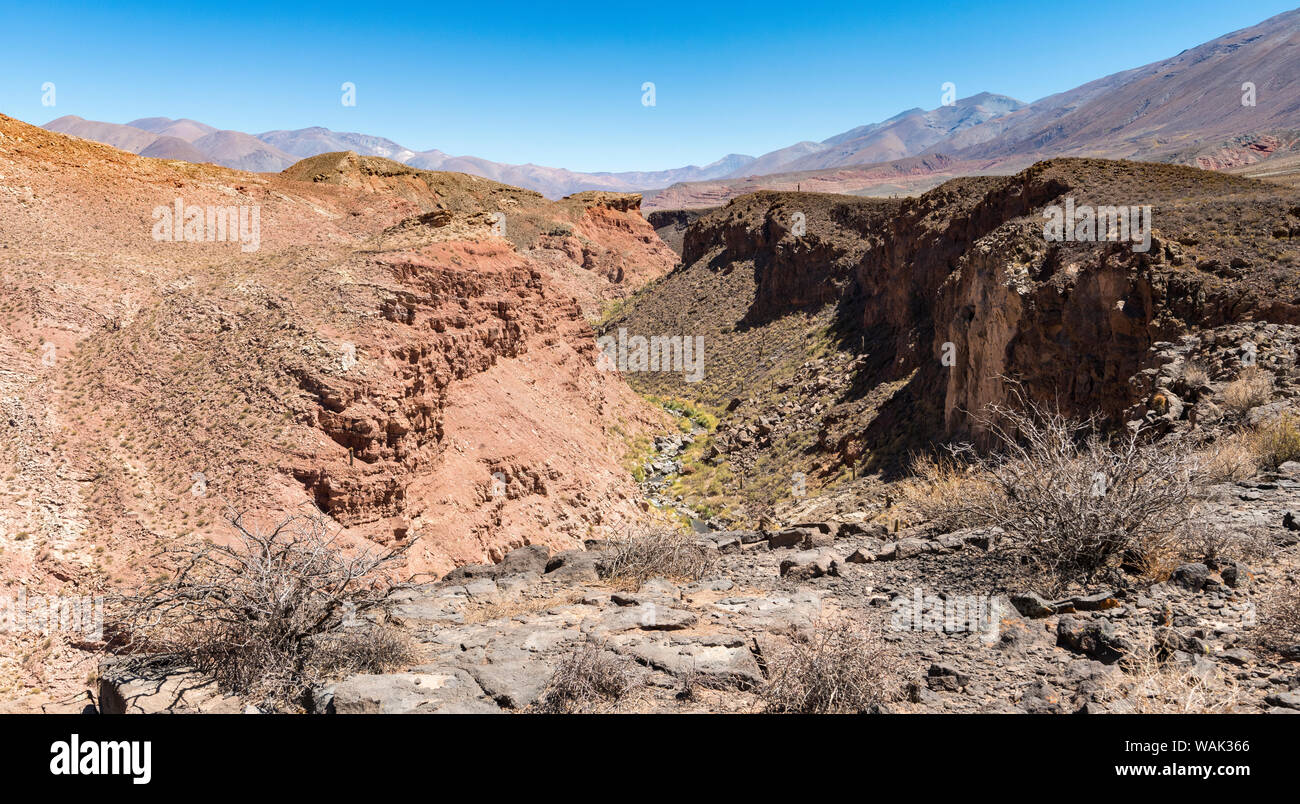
(505, 609)
(1277, 441)
(1252, 387)
(1151, 685)
(1230, 458)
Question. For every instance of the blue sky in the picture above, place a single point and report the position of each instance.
(560, 85)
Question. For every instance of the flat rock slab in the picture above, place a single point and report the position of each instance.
(647, 617)
(421, 691)
(771, 612)
(720, 660)
(514, 685)
(144, 688)
(428, 610)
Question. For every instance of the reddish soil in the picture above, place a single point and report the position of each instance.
(378, 364)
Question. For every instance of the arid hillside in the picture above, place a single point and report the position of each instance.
(409, 351)
(888, 325)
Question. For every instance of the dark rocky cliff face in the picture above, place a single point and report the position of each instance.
(671, 224)
(791, 271)
(965, 271)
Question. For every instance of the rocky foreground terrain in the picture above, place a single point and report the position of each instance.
(962, 620)
(490, 637)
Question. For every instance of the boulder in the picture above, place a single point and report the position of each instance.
(574, 566)
(945, 677)
(530, 558)
(810, 564)
(1191, 576)
(848, 530)
(1094, 638)
(468, 571)
(1286, 700)
(1031, 605)
(909, 548)
(790, 537)
(983, 538)
(1238, 656)
(1236, 574)
(1041, 698)
(1094, 602)
(861, 556)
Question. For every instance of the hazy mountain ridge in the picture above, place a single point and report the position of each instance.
(273, 151)
(1187, 110)
(906, 134)
(1197, 96)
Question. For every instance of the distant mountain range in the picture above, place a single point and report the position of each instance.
(901, 136)
(1194, 108)
(273, 151)
(1186, 109)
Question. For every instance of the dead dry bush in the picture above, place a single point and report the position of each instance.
(1252, 387)
(841, 666)
(1151, 684)
(658, 552)
(1279, 621)
(1196, 375)
(1213, 544)
(1077, 499)
(369, 648)
(590, 680)
(278, 611)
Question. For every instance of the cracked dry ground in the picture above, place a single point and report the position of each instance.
(490, 637)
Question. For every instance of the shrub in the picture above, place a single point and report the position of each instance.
(841, 666)
(364, 649)
(591, 679)
(1231, 457)
(1279, 625)
(658, 552)
(1195, 375)
(1278, 441)
(936, 482)
(1076, 499)
(269, 616)
(1253, 387)
(1151, 684)
(690, 411)
(1214, 544)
